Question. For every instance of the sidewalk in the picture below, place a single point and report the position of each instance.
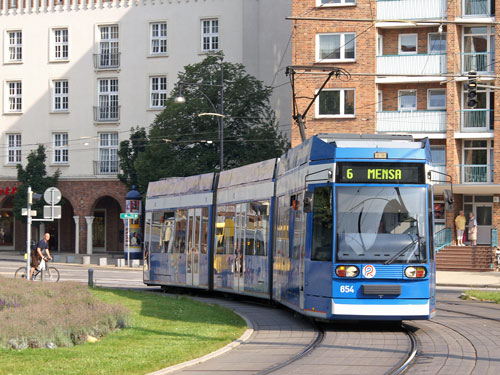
(99, 259)
(464, 279)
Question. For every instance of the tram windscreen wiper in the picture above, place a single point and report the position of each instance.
(403, 250)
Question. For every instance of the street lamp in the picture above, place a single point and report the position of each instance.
(218, 112)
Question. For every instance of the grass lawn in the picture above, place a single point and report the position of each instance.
(483, 295)
(163, 331)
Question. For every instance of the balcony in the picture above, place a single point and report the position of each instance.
(479, 61)
(106, 167)
(107, 113)
(475, 173)
(476, 8)
(411, 9)
(411, 121)
(423, 64)
(105, 61)
(476, 120)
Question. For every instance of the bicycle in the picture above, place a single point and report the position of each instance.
(51, 273)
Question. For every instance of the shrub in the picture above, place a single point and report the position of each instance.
(38, 315)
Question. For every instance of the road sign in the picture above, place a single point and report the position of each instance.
(129, 216)
(24, 212)
(47, 212)
(52, 195)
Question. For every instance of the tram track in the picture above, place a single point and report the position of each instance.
(412, 353)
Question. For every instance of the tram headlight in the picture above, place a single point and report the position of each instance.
(347, 271)
(415, 272)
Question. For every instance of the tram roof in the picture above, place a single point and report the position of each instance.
(330, 146)
(251, 173)
(181, 185)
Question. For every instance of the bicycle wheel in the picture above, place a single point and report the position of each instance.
(52, 275)
(20, 273)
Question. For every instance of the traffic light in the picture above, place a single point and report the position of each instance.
(448, 200)
(472, 90)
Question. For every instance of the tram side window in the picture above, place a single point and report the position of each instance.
(168, 230)
(156, 227)
(224, 229)
(262, 210)
(281, 248)
(322, 233)
(204, 231)
(180, 231)
(430, 226)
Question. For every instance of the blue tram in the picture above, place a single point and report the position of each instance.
(340, 227)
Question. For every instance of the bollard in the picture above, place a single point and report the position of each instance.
(91, 277)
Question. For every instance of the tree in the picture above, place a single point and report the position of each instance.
(35, 175)
(128, 152)
(180, 143)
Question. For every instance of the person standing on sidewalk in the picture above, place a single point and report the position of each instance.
(460, 226)
(472, 229)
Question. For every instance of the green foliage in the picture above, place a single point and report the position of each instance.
(483, 295)
(35, 175)
(163, 331)
(48, 314)
(181, 143)
(128, 153)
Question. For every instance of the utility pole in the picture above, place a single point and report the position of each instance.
(28, 232)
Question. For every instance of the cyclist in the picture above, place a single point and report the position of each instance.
(42, 253)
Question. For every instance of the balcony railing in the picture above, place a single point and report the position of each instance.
(476, 173)
(441, 169)
(410, 9)
(476, 8)
(107, 113)
(107, 60)
(106, 167)
(476, 120)
(411, 121)
(412, 64)
(478, 61)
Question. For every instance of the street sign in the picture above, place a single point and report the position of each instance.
(129, 216)
(52, 195)
(47, 212)
(24, 212)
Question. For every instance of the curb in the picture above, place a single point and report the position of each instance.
(245, 337)
(469, 286)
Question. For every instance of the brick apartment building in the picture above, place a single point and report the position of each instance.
(409, 62)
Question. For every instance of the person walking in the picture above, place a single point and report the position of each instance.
(472, 229)
(460, 227)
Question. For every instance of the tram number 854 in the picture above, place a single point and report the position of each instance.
(346, 289)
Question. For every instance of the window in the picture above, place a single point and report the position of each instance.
(334, 47)
(408, 44)
(209, 35)
(108, 47)
(158, 88)
(436, 99)
(15, 46)
(437, 43)
(61, 96)
(478, 160)
(336, 103)
(331, 3)
(108, 109)
(108, 153)
(158, 32)
(60, 147)
(407, 100)
(479, 49)
(14, 148)
(15, 96)
(322, 231)
(60, 44)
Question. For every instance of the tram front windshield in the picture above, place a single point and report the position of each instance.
(381, 224)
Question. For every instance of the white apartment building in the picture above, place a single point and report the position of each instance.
(77, 75)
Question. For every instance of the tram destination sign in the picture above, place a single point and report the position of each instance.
(382, 173)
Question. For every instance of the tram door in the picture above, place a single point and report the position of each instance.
(239, 252)
(194, 239)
